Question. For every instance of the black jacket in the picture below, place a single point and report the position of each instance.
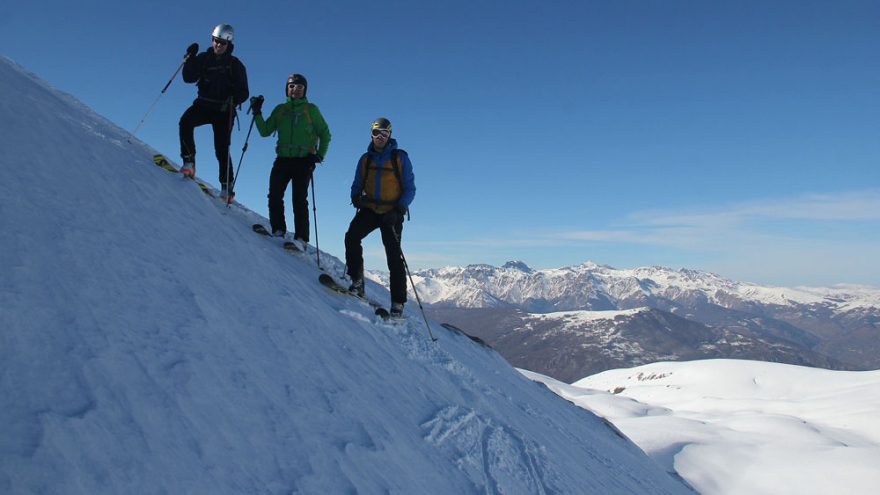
(218, 77)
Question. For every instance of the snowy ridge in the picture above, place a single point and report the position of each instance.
(152, 343)
(792, 429)
(596, 330)
(586, 316)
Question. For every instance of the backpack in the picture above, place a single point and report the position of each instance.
(396, 165)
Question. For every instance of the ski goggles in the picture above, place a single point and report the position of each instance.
(296, 86)
(380, 132)
(220, 41)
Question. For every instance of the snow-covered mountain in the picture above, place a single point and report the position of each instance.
(151, 343)
(513, 306)
(599, 287)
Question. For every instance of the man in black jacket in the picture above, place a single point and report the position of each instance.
(222, 83)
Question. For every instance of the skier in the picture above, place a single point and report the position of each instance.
(303, 139)
(383, 188)
(222, 83)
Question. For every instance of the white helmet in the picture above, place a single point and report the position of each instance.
(224, 32)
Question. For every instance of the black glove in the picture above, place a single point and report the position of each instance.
(357, 202)
(192, 50)
(257, 105)
(315, 158)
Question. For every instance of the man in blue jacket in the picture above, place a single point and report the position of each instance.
(383, 188)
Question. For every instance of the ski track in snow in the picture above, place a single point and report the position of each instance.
(497, 459)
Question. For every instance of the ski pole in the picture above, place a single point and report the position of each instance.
(315, 211)
(243, 149)
(136, 129)
(413, 284)
(228, 147)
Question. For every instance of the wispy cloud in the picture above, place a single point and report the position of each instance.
(706, 225)
(713, 226)
(844, 207)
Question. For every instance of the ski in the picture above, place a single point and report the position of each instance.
(330, 283)
(204, 187)
(288, 245)
(163, 162)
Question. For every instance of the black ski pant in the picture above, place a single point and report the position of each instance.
(284, 170)
(364, 222)
(198, 115)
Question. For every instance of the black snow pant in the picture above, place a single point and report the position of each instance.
(284, 170)
(364, 222)
(199, 115)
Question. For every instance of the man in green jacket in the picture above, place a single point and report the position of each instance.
(303, 139)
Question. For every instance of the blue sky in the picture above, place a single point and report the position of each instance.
(739, 138)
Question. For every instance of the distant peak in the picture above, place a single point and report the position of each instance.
(591, 266)
(518, 265)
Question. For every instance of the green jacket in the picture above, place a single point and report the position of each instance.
(298, 133)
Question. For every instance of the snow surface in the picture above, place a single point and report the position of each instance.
(734, 427)
(151, 343)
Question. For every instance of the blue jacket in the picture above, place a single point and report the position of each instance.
(376, 181)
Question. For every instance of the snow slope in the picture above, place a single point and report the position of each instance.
(151, 343)
(733, 426)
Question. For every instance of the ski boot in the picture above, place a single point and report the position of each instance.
(396, 310)
(226, 195)
(357, 287)
(188, 169)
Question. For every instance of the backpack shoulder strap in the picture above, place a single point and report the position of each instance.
(363, 163)
(306, 111)
(396, 165)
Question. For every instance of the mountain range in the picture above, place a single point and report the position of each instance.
(571, 322)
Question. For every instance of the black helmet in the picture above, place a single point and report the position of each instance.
(296, 79)
(381, 124)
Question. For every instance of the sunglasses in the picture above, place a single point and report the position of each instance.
(296, 86)
(380, 132)
(220, 41)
